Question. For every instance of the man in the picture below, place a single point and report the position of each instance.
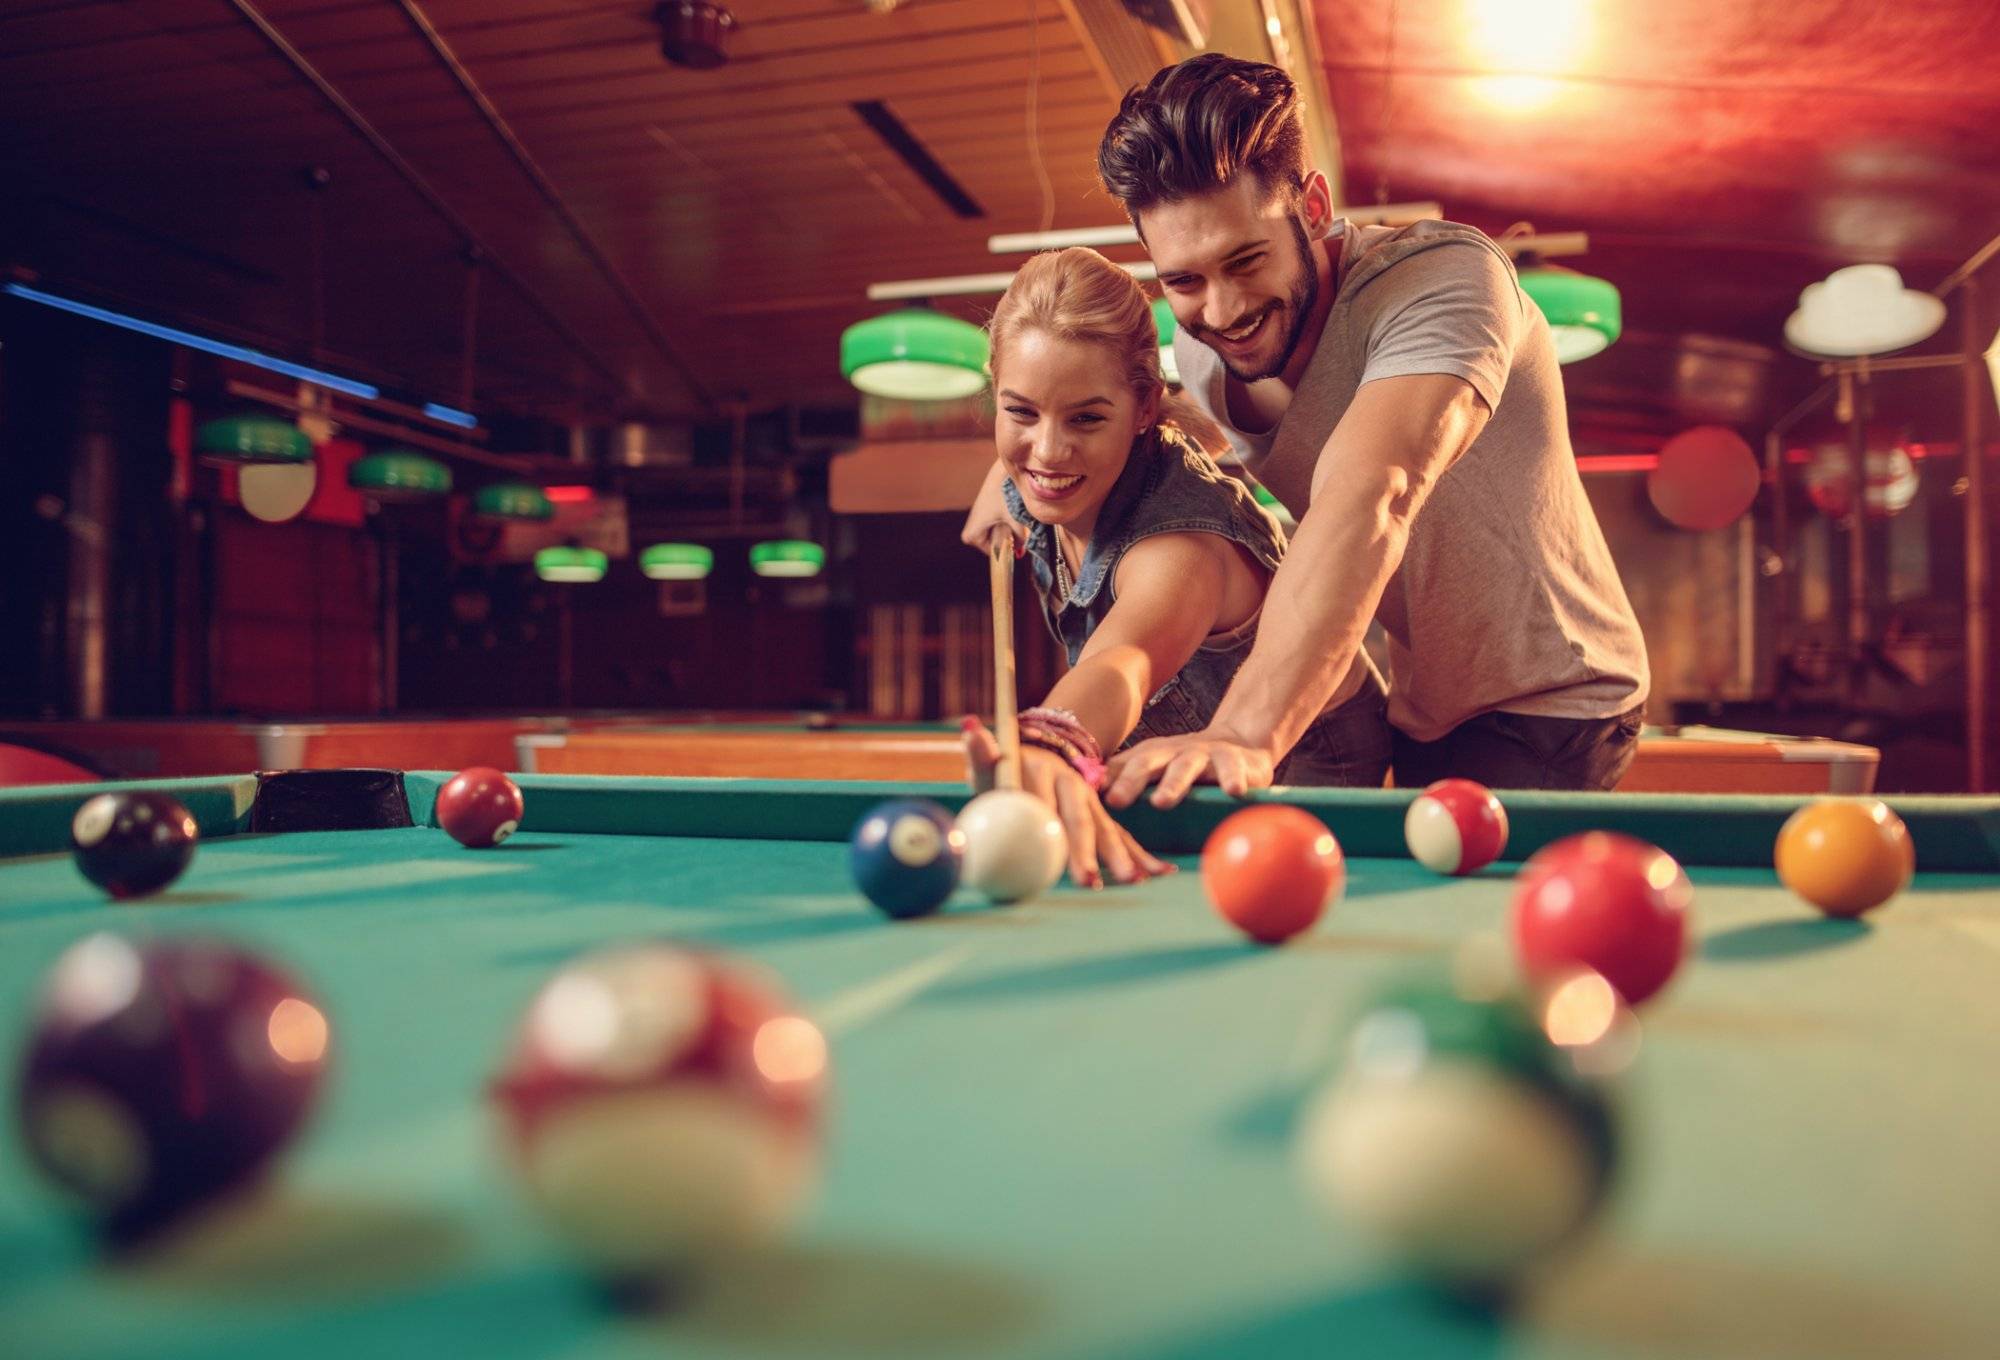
(1399, 394)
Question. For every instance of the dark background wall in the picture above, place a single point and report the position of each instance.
(86, 530)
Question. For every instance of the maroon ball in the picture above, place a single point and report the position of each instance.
(133, 843)
(159, 1075)
(480, 807)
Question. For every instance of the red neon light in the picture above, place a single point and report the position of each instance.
(1588, 463)
(569, 495)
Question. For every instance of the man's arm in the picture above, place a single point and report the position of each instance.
(1398, 436)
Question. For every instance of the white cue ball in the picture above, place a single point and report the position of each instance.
(1454, 1169)
(1014, 845)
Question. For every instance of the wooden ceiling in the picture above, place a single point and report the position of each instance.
(660, 241)
(1721, 157)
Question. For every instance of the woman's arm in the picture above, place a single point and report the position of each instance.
(989, 510)
(1170, 591)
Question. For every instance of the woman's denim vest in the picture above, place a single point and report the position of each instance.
(1169, 486)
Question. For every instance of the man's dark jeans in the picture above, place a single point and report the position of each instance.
(1516, 751)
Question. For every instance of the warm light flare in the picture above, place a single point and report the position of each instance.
(1530, 35)
(1580, 1011)
(297, 1032)
(789, 1050)
(1517, 94)
(1662, 873)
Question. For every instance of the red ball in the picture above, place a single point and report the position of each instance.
(1606, 902)
(1455, 826)
(663, 1108)
(1271, 871)
(479, 807)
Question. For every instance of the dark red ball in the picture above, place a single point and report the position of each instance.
(479, 806)
(132, 843)
(159, 1075)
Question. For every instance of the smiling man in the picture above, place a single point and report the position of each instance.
(1399, 394)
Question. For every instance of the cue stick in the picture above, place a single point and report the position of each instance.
(1000, 573)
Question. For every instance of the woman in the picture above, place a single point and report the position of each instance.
(1151, 563)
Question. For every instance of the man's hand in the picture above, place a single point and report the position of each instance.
(1178, 762)
(1092, 834)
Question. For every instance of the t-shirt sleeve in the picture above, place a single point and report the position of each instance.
(1454, 308)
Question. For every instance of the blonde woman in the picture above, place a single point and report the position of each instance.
(1151, 563)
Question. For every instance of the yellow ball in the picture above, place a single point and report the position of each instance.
(1845, 855)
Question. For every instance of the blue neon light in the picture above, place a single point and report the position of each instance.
(192, 341)
(463, 419)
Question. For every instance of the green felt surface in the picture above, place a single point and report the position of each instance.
(1058, 1130)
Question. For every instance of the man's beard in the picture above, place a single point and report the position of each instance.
(1301, 303)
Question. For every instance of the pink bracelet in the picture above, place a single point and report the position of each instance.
(1063, 723)
(1090, 768)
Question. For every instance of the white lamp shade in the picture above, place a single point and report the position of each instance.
(1862, 309)
(1993, 366)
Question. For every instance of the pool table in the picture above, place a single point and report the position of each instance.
(1058, 1129)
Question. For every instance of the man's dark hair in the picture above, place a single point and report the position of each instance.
(1194, 127)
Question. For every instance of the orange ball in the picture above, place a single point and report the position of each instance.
(1271, 871)
(1845, 855)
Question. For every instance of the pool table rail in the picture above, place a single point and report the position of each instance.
(1951, 834)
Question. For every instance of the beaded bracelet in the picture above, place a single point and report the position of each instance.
(1089, 768)
(1067, 725)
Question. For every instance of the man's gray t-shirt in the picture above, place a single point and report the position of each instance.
(1506, 597)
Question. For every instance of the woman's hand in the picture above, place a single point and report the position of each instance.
(989, 512)
(1093, 835)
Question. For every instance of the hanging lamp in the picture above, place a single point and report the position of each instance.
(1164, 326)
(1862, 309)
(1262, 495)
(513, 500)
(239, 440)
(914, 355)
(1993, 366)
(571, 566)
(1583, 312)
(794, 557)
(399, 475)
(677, 561)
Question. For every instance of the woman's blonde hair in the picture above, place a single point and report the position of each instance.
(1077, 294)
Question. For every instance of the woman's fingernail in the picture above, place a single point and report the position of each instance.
(968, 723)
